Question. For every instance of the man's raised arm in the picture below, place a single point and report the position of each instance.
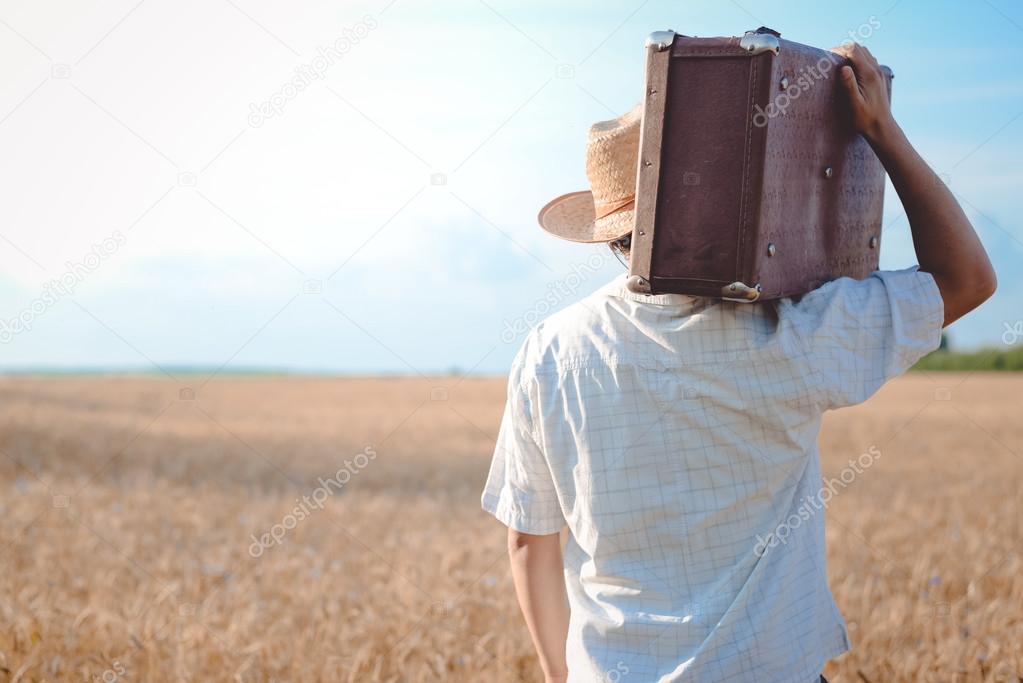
(946, 245)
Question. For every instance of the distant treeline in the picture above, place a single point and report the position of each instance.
(985, 359)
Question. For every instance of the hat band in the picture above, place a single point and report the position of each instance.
(609, 209)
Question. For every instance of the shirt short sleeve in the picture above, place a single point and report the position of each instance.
(858, 334)
(520, 490)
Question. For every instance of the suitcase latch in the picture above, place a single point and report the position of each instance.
(755, 42)
(741, 292)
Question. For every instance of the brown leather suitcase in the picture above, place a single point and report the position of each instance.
(752, 183)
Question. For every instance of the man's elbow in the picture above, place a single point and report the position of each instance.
(981, 286)
(987, 285)
(970, 293)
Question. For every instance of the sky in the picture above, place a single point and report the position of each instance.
(171, 200)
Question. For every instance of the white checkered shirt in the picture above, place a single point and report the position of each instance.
(676, 438)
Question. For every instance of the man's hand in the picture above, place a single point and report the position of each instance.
(946, 245)
(867, 90)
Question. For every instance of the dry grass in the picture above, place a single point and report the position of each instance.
(127, 516)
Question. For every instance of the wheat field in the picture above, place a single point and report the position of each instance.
(287, 529)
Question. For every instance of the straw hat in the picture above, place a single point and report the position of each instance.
(606, 211)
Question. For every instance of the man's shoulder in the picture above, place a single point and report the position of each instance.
(576, 334)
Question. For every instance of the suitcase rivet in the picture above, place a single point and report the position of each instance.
(828, 172)
(784, 84)
(771, 249)
(873, 243)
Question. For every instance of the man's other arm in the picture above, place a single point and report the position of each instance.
(540, 585)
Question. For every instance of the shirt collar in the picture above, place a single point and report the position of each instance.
(618, 288)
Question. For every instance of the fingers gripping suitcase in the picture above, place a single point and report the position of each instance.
(752, 182)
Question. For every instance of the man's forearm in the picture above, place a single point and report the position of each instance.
(946, 244)
(540, 585)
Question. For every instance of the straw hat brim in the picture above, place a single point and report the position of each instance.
(573, 217)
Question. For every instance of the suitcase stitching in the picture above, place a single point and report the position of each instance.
(745, 193)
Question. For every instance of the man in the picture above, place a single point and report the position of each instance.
(674, 437)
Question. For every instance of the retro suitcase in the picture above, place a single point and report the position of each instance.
(752, 183)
